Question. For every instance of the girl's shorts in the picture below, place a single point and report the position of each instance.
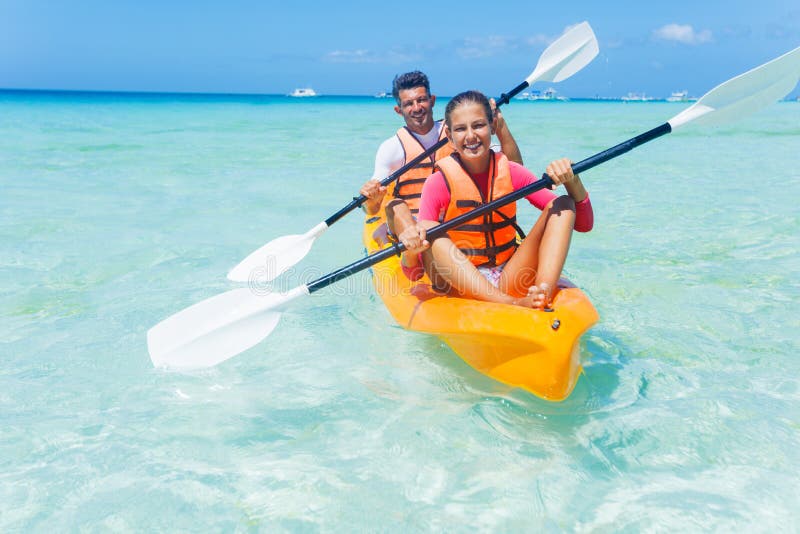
(492, 274)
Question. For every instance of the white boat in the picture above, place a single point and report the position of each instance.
(547, 94)
(636, 97)
(303, 92)
(679, 96)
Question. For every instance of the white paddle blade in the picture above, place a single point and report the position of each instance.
(217, 328)
(566, 55)
(276, 257)
(746, 93)
(272, 260)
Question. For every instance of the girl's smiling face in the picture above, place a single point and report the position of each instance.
(470, 132)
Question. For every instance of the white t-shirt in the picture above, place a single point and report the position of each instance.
(390, 155)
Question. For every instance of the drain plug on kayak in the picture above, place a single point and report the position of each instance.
(555, 324)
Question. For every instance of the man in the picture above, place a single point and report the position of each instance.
(414, 102)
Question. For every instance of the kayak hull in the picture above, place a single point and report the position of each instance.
(538, 351)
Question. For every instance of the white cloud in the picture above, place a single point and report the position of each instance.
(782, 31)
(539, 39)
(468, 48)
(368, 56)
(483, 47)
(474, 48)
(350, 56)
(543, 39)
(682, 33)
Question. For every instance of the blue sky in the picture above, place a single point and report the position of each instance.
(243, 46)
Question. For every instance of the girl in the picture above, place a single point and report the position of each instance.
(481, 259)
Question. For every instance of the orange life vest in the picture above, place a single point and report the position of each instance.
(409, 186)
(489, 239)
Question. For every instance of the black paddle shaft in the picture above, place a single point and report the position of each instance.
(438, 231)
(359, 200)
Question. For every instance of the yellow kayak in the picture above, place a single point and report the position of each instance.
(538, 351)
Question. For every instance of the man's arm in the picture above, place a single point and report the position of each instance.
(508, 145)
(390, 156)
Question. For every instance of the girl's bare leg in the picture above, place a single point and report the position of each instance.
(534, 269)
(449, 268)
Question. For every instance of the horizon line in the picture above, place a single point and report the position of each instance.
(324, 95)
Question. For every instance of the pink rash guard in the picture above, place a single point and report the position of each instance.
(436, 197)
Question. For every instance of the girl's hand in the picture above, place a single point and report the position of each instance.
(560, 171)
(413, 238)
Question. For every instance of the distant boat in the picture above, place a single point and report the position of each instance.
(303, 92)
(550, 94)
(383, 94)
(679, 96)
(636, 97)
(547, 94)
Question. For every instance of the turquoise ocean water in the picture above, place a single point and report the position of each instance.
(119, 210)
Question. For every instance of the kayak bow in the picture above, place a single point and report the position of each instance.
(538, 351)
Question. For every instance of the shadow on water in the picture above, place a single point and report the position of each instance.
(600, 388)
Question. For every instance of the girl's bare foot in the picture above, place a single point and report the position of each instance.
(538, 297)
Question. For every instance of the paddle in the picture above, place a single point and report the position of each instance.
(564, 57)
(216, 329)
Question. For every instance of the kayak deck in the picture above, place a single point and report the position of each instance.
(536, 350)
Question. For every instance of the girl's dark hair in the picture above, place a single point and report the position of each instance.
(467, 97)
(409, 80)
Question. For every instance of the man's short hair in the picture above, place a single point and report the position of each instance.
(409, 80)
